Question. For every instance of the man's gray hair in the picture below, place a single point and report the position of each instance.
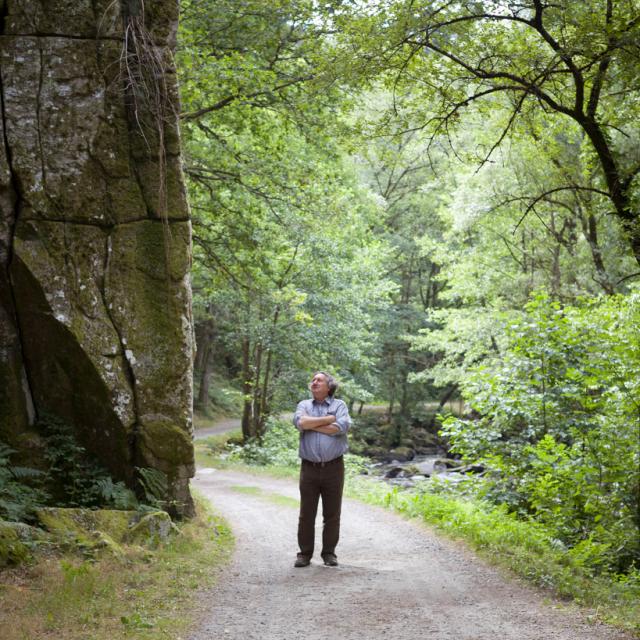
(331, 382)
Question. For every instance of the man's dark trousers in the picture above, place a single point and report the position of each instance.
(326, 480)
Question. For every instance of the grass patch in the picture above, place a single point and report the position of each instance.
(240, 488)
(285, 501)
(206, 456)
(145, 594)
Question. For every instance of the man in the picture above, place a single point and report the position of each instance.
(323, 423)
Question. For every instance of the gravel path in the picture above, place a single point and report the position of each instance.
(220, 426)
(396, 579)
(225, 426)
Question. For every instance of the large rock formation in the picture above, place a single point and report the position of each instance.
(95, 238)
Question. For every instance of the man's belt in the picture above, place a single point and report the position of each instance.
(321, 464)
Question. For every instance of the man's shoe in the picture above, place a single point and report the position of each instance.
(330, 560)
(302, 561)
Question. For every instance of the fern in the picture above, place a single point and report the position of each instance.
(117, 494)
(155, 485)
(20, 490)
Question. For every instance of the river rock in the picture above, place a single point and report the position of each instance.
(402, 454)
(375, 452)
(424, 438)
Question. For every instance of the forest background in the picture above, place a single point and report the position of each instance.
(439, 203)
(433, 201)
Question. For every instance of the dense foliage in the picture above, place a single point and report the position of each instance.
(430, 199)
(69, 476)
(558, 425)
(287, 271)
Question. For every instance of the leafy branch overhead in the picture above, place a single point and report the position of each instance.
(573, 60)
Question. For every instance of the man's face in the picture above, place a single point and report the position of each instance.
(319, 387)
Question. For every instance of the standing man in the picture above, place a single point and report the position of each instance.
(323, 423)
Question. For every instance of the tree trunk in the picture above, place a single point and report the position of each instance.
(246, 390)
(202, 401)
(590, 230)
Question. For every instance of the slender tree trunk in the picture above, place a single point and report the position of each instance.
(405, 394)
(556, 276)
(206, 370)
(265, 398)
(257, 389)
(246, 389)
(590, 230)
(444, 398)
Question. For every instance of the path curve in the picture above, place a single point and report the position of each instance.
(220, 426)
(227, 425)
(396, 579)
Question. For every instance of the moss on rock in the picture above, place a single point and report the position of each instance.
(81, 525)
(12, 549)
(107, 529)
(152, 530)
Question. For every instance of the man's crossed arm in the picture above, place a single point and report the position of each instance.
(323, 424)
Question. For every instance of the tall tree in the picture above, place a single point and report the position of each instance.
(283, 246)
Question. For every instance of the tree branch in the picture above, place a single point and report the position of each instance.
(194, 115)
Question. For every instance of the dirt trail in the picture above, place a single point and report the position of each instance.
(396, 579)
(225, 426)
(220, 426)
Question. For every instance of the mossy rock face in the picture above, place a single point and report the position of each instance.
(107, 529)
(152, 530)
(79, 18)
(97, 282)
(150, 302)
(104, 542)
(82, 525)
(27, 533)
(12, 549)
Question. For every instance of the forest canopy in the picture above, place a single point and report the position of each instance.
(432, 200)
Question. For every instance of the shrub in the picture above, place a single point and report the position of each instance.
(559, 426)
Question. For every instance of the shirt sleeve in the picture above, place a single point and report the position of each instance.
(343, 420)
(300, 411)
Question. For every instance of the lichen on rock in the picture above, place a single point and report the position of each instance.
(152, 530)
(95, 301)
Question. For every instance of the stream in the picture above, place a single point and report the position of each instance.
(419, 469)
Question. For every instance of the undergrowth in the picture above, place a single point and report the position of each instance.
(70, 477)
(145, 594)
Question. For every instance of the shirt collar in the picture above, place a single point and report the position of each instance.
(327, 400)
